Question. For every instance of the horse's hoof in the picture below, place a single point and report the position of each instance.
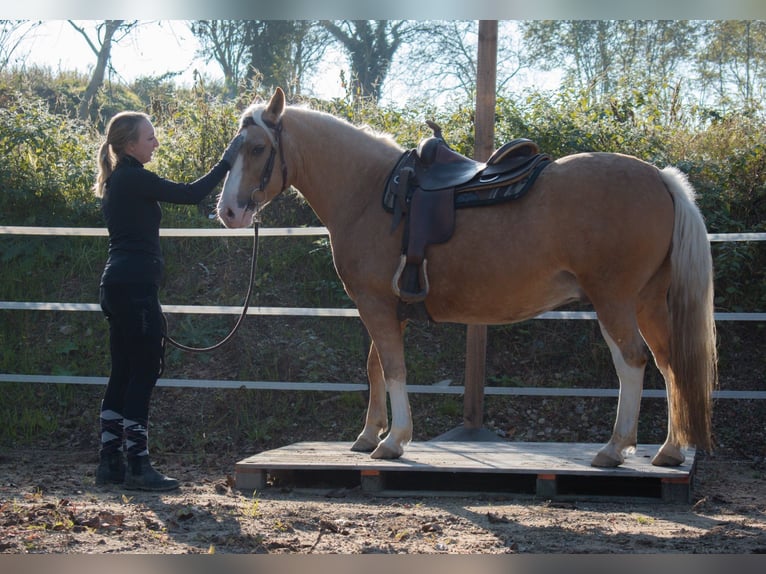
(363, 444)
(668, 456)
(607, 459)
(385, 451)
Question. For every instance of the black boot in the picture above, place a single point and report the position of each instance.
(111, 468)
(139, 475)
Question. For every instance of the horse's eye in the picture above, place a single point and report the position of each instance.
(258, 149)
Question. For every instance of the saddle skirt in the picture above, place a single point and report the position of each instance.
(430, 182)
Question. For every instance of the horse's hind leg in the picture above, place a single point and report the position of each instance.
(376, 421)
(654, 321)
(629, 356)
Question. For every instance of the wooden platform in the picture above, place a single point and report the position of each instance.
(548, 470)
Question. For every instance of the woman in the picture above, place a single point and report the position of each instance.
(130, 197)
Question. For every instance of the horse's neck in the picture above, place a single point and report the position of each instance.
(338, 168)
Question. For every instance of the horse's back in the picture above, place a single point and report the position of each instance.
(599, 200)
(600, 175)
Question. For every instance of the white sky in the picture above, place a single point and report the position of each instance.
(152, 49)
(157, 47)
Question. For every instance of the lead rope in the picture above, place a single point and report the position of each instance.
(167, 338)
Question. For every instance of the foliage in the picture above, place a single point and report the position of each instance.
(45, 166)
(193, 129)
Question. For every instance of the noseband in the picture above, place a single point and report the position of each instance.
(269, 167)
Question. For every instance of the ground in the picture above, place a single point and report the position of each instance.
(50, 504)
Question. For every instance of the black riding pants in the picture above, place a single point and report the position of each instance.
(136, 333)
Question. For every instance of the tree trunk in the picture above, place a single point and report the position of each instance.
(103, 53)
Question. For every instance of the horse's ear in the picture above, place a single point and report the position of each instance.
(276, 106)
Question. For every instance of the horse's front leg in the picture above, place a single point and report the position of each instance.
(629, 361)
(401, 417)
(376, 421)
(387, 334)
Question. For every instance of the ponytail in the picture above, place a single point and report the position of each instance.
(105, 168)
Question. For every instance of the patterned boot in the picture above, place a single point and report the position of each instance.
(139, 473)
(111, 468)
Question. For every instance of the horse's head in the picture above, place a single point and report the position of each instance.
(253, 180)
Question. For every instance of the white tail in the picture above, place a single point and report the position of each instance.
(693, 354)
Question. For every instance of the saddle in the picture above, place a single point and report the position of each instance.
(430, 182)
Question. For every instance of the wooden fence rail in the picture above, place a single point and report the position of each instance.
(317, 312)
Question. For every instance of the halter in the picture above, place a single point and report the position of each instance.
(269, 167)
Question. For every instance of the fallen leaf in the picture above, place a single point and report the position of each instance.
(104, 519)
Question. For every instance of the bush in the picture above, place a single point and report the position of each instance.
(46, 166)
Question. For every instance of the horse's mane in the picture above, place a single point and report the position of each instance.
(255, 111)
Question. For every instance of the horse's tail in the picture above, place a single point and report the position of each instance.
(693, 354)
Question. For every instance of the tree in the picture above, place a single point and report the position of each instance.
(12, 33)
(268, 53)
(597, 55)
(370, 46)
(107, 33)
(224, 42)
(732, 62)
(577, 46)
(284, 52)
(444, 54)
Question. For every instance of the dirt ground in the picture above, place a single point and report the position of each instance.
(50, 504)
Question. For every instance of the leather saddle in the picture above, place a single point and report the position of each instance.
(431, 181)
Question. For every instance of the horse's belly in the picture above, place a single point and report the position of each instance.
(476, 298)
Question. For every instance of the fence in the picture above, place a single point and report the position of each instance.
(318, 312)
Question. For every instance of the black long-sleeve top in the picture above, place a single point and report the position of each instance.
(132, 212)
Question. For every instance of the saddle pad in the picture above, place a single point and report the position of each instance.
(473, 196)
(503, 193)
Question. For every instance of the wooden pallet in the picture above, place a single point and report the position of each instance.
(548, 470)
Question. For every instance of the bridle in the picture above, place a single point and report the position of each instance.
(269, 167)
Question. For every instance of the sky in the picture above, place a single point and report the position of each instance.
(152, 49)
(158, 47)
(149, 50)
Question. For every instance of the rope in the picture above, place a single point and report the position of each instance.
(245, 306)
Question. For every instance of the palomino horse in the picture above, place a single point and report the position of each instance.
(605, 228)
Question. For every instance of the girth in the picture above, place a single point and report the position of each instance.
(430, 182)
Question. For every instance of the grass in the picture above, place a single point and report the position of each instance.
(253, 508)
(32, 413)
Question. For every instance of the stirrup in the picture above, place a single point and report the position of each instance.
(404, 294)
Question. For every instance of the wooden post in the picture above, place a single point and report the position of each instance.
(484, 145)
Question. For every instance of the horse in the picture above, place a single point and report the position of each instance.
(605, 228)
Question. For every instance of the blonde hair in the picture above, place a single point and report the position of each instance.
(122, 129)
